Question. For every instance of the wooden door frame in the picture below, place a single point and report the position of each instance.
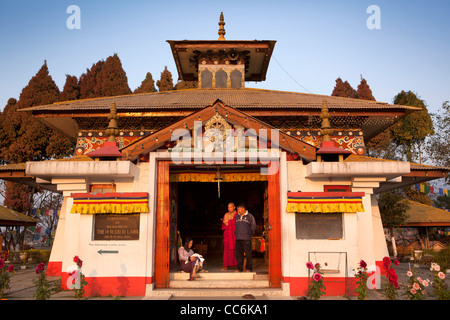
(162, 227)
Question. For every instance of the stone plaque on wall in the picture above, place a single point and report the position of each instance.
(116, 227)
(318, 226)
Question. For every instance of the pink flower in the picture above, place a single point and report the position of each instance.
(412, 291)
(416, 286)
(10, 268)
(2, 263)
(425, 283)
(419, 279)
(441, 275)
(437, 267)
(317, 277)
(409, 274)
(317, 265)
(309, 265)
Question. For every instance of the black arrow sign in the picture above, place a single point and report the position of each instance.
(101, 251)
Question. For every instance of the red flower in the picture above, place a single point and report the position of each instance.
(309, 265)
(317, 265)
(317, 277)
(386, 263)
(396, 262)
(362, 264)
(10, 268)
(78, 261)
(40, 267)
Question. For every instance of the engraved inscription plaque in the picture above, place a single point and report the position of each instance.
(116, 227)
(319, 226)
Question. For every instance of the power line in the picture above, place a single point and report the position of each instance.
(290, 75)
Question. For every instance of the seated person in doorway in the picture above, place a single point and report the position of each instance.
(189, 261)
(229, 241)
(245, 228)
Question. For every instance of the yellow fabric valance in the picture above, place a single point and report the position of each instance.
(209, 177)
(325, 202)
(112, 203)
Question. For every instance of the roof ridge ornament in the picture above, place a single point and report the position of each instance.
(221, 28)
(113, 130)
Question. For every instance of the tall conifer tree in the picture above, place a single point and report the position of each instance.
(165, 83)
(71, 90)
(147, 85)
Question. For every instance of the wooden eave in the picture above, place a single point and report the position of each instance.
(234, 116)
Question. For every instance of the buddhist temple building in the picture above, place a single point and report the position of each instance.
(151, 169)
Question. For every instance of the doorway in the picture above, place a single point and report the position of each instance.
(164, 219)
(200, 211)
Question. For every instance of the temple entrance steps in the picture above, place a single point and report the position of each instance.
(218, 284)
(219, 280)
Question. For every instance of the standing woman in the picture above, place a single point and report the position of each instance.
(229, 241)
(188, 262)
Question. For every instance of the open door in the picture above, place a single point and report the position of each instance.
(173, 232)
(274, 230)
(162, 226)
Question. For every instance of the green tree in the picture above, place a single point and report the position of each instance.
(186, 85)
(410, 132)
(393, 209)
(438, 146)
(112, 79)
(71, 89)
(343, 89)
(147, 85)
(41, 89)
(364, 92)
(165, 83)
(88, 81)
(442, 202)
(23, 138)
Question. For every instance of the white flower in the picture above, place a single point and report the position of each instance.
(437, 268)
(425, 283)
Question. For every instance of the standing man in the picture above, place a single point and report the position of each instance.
(245, 227)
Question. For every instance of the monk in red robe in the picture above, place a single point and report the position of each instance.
(229, 241)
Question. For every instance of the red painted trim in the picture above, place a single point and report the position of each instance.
(327, 187)
(54, 268)
(114, 286)
(326, 194)
(335, 286)
(110, 195)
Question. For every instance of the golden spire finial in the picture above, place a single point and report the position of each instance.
(113, 130)
(221, 28)
(325, 130)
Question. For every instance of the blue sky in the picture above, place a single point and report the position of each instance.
(317, 41)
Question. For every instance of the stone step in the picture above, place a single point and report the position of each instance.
(220, 276)
(207, 292)
(201, 283)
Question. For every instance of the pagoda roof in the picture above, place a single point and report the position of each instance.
(242, 98)
(258, 53)
(9, 217)
(421, 215)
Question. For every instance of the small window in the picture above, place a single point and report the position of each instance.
(236, 79)
(332, 188)
(103, 188)
(206, 79)
(221, 79)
